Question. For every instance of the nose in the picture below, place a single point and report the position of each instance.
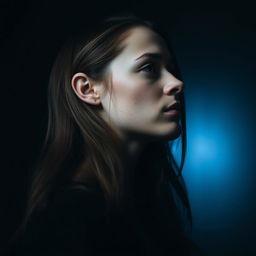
(173, 85)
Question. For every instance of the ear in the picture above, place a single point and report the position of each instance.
(85, 89)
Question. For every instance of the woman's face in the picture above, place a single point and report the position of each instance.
(141, 87)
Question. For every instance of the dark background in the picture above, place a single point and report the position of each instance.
(215, 48)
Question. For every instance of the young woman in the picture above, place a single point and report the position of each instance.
(106, 182)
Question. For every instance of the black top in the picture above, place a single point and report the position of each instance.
(74, 224)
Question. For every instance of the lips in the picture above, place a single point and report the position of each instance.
(173, 106)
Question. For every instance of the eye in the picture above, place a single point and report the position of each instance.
(150, 68)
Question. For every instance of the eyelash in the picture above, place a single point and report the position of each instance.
(156, 69)
(148, 65)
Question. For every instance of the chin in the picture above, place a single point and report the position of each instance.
(174, 134)
(169, 136)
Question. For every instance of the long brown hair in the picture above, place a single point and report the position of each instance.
(76, 131)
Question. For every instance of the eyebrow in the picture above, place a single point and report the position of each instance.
(153, 55)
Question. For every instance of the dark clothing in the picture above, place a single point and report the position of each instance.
(74, 224)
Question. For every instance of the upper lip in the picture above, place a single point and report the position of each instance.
(175, 105)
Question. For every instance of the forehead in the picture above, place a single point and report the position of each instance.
(141, 40)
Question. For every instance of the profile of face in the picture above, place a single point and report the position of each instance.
(141, 87)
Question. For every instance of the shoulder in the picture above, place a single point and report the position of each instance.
(76, 200)
(68, 222)
(72, 208)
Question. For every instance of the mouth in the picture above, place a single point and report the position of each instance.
(172, 107)
(172, 112)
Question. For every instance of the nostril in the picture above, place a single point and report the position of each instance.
(177, 90)
(180, 87)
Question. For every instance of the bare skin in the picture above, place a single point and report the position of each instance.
(139, 95)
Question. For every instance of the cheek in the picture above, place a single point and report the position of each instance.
(134, 99)
(129, 90)
(134, 109)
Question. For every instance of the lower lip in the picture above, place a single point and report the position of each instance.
(172, 112)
